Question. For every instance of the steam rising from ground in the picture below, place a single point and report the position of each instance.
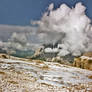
(71, 27)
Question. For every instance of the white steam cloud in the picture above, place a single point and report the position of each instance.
(71, 27)
(18, 37)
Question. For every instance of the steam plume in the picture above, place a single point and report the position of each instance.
(70, 26)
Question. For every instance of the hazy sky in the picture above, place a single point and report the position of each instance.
(20, 12)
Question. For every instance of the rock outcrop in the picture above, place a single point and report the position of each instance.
(84, 61)
(4, 56)
(40, 54)
(60, 60)
(52, 57)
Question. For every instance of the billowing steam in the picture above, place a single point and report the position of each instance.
(18, 41)
(71, 28)
(67, 30)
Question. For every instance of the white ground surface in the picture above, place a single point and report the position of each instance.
(39, 76)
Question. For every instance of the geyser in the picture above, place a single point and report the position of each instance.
(70, 26)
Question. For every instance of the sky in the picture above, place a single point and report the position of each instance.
(21, 12)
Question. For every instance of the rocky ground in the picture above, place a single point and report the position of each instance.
(40, 76)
